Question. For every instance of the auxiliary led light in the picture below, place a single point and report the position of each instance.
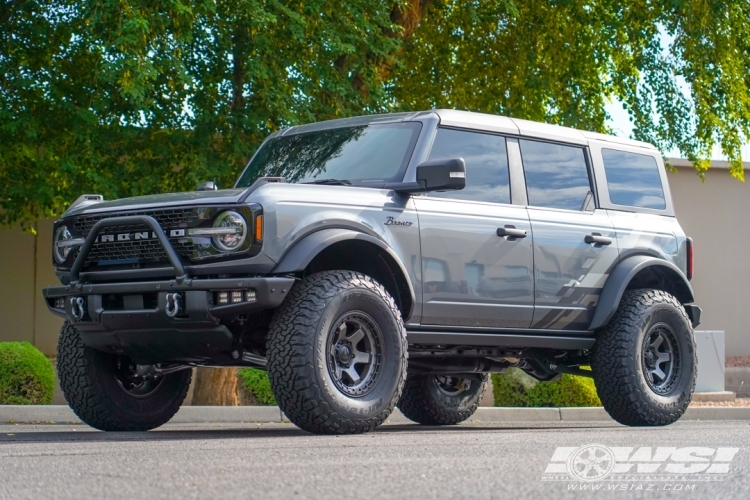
(235, 297)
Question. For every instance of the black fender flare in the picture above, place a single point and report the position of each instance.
(622, 275)
(297, 258)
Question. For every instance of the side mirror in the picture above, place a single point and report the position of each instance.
(207, 186)
(435, 175)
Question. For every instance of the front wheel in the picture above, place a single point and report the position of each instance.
(441, 399)
(644, 362)
(106, 392)
(337, 354)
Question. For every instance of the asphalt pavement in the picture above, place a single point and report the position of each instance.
(690, 459)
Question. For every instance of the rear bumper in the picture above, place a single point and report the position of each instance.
(131, 318)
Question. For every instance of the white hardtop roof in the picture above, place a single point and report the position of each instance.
(516, 126)
(475, 121)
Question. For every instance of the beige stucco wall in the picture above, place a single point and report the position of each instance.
(714, 213)
(25, 268)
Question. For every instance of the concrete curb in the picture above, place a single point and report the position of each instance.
(271, 414)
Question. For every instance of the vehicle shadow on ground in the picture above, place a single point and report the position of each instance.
(84, 433)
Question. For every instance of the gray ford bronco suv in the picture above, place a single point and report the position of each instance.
(382, 261)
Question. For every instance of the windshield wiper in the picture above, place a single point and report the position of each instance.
(330, 182)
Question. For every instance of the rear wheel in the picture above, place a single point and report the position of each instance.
(644, 362)
(441, 399)
(107, 392)
(337, 353)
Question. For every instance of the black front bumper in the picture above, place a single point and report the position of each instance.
(141, 328)
(132, 318)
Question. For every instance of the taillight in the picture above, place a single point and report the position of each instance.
(690, 260)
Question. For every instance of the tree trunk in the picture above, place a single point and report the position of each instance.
(216, 387)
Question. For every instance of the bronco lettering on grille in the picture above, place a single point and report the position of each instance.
(137, 236)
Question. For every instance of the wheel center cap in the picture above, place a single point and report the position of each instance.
(343, 353)
(650, 358)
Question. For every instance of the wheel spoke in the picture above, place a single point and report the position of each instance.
(341, 333)
(663, 357)
(356, 337)
(352, 374)
(361, 357)
(657, 342)
(657, 372)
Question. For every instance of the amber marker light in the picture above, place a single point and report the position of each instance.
(259, 228)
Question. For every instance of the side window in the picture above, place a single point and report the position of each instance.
(486, 160)
(633, 179)
(556, 175)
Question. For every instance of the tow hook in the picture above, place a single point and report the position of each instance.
(77, 308)
(174, 304)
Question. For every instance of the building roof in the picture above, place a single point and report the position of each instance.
(685, 163)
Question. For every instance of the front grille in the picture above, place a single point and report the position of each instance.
(171, 218)
(147, 251)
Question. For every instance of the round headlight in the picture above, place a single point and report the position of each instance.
(59, 249)
(234, 234)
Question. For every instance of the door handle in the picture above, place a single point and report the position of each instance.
(597, 239)
(511, 231)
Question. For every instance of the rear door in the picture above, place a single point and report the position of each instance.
(471, 276)
(575, 244)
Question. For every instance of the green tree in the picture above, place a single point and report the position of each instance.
(558, 62)
(127, 97)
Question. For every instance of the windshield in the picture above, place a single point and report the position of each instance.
(371, 155)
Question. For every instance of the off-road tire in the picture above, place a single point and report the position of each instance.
(297, 347)
(618, 369)
(424, 403)
(87, 379)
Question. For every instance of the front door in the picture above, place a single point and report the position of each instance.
(472, 275)
(575, 245)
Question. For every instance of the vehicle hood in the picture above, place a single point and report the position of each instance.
(192, 198)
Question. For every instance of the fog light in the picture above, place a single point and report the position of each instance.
(250, 296)
(223, 298)
(236, 296)
(60, 303)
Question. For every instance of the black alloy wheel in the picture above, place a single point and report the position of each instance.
(134, 385)
(355, 353)
(661, 358)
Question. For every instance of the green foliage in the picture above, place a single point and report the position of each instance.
(256, 383)
(128, 98)
(516, 388)
(26, 375)
(680, 67)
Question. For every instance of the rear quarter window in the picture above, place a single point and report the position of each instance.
(633, 180)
